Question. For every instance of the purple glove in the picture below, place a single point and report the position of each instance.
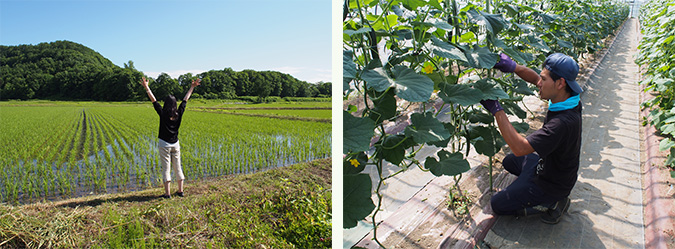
(505, 64)
(491, 105)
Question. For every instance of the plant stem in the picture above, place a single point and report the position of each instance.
(490, 167)
(379, 202)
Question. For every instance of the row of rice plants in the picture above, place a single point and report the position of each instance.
(96, 166)
(33, 135)
(212, 144)
(65, 151)
(325, 114)
(121, 164)
(18, 142)
(49, 154)
(199, 104)
(136, 136)
(219, 144)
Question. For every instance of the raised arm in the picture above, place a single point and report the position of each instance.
(518, 144)
(507, 65)
(527, 74)
(144, 83)
(192, 87)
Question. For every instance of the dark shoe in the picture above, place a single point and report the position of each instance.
(538, 209)
(165, 196)
(553, 215)
(180, 194)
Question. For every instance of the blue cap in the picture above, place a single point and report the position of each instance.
(565, 67)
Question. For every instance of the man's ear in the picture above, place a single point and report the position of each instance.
(560, 84)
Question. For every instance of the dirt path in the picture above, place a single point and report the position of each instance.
(606, 209)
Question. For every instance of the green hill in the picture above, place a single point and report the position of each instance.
(65, 70)
(60, 69)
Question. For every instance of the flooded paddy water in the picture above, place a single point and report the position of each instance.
(71, 150)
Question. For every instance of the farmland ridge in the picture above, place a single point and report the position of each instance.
(257, 210)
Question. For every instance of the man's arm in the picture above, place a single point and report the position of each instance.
(518, 144)
(144, 83)
(507, 65)
(527, 74)
(192, 87)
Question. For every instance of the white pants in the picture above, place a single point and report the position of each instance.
(170, 154)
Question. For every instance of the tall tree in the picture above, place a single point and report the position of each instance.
(165, 85)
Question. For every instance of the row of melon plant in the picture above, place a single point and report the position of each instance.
(403, 54)
(657, 55)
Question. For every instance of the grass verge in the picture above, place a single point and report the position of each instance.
(287, 207)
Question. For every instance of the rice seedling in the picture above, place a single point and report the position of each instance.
(73, 149)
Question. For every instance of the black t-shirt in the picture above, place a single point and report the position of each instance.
(558, 143)
(168, 129)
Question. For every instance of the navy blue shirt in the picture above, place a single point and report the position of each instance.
(168, 129)
(558, 144)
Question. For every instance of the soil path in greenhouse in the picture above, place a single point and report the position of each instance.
(606, 208)
(607, 201)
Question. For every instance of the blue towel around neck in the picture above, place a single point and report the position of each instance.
(569, 103)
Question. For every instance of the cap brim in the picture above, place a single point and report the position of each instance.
(574, 86)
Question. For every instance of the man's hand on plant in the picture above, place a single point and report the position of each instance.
(505, 64)
(491, 105)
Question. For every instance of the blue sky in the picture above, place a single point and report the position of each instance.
(175, 37)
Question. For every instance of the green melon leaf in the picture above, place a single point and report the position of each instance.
(377, 78)
(488, 141)
(357, 203)
(412, 86)
(494, 23)
(513, 109)
(666, 144)
(459, 93)
(447, 50)
(490, 89)
(426, 128)
(354, 164)
(393, 148)
(521, 127)
(357, 133)
(480, 57)
(384, 107)
(449, 164)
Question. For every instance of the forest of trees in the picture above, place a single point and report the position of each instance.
(65, 70)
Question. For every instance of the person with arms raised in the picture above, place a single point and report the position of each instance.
(170, 117)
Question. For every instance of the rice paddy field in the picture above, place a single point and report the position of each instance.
(55, 150)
